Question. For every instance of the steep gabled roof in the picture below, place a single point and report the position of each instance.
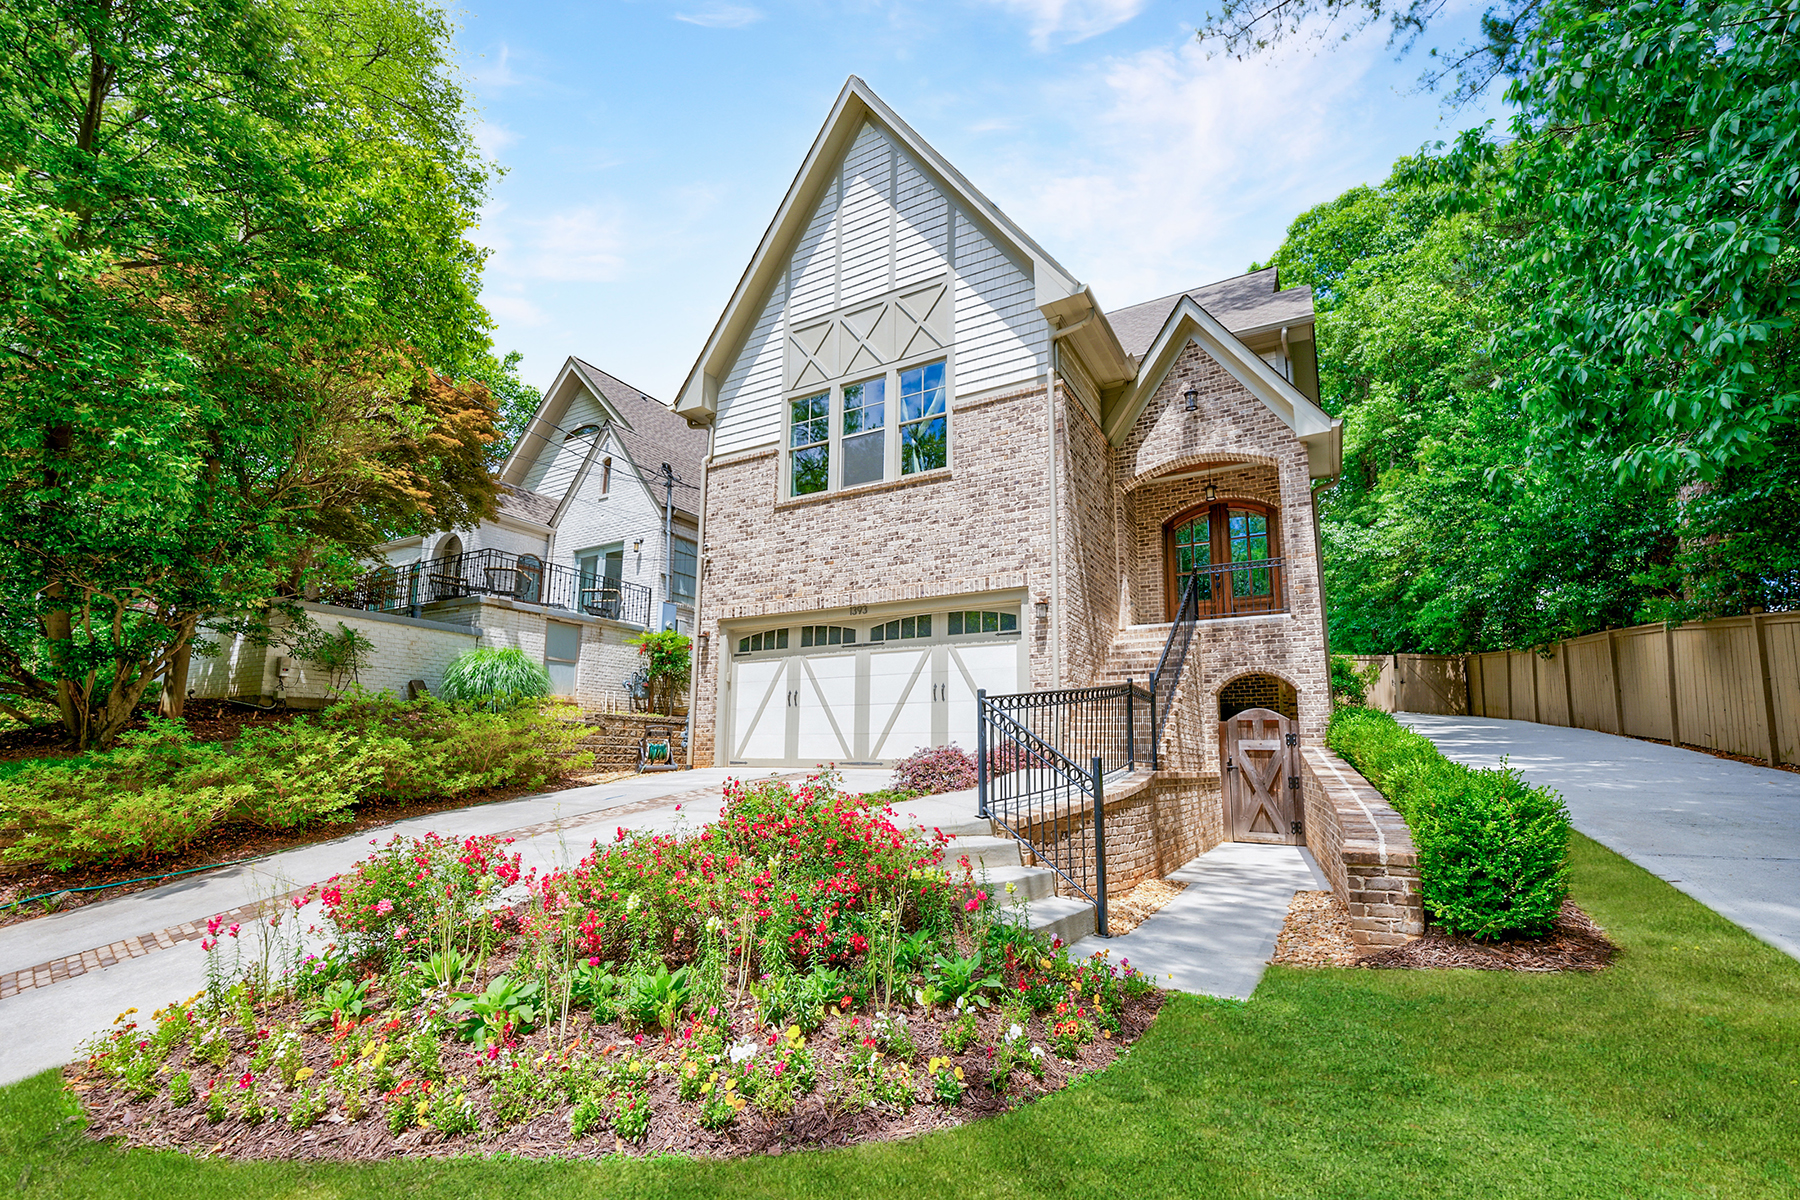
(1187, 321)
(856, 104)
(650, 434)
(1245, 304)
(526, 504)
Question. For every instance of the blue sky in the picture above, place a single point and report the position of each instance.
(647, 143)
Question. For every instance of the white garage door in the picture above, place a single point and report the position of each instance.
(801, 695)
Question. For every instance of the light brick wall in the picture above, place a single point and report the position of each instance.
(1364, 848)
(405, 649)
(983, 525)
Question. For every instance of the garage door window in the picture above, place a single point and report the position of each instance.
(770, 639)
(905, 627)
(983, 622)
(826, 635)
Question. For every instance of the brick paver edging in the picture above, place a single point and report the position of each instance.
(101, 957)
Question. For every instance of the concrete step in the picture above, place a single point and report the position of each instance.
(1067, 917)
(972, 827)
(1029, 883)
(988, 851)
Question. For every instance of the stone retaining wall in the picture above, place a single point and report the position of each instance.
(1364, 848)
(616, 738)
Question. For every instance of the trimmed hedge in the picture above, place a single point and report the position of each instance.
(1493, 850)
(160, 790)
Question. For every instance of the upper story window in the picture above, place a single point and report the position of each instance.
(686, 556)
(809, 444)
(605, 476)
(852, 433)
(581, 432)
(923, 446)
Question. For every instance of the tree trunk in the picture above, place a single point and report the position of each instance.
(175, 681)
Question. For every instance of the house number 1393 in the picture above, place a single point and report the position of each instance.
(858, 610)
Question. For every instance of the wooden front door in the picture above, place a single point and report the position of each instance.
(1262, 758)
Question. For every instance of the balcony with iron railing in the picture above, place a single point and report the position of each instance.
(522, 577)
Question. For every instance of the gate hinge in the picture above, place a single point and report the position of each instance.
(1293, 739)
(1296, 826)
(1294, 782)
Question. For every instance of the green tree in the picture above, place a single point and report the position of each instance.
(515, 400)
(667, 655)
(232, 263)
(1443, 533)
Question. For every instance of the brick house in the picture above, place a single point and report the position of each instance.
(938, 467)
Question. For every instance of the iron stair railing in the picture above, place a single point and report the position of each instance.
(1167, 676)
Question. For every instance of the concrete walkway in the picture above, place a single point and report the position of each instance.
(1216, 937)
(1726, 833)
(47, 1023)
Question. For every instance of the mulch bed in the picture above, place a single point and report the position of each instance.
(229, 844)
(818, 1119)
(1317, 934)
(1574, 943)
(1126, 912)
(207, 720)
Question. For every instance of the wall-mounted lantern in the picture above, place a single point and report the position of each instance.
(1192, 395)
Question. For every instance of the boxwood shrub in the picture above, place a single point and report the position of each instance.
(1493, 850)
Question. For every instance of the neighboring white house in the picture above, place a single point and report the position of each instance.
(596, 540)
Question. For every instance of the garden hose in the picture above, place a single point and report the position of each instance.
(97, 887)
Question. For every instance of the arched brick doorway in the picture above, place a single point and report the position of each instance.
(1259, 691)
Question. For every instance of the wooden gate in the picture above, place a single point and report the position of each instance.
(1262, 760)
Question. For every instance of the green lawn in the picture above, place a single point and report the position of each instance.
(1677, 1073)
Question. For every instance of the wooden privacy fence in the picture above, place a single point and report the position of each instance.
(1732, 684)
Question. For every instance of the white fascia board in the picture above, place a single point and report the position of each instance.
(523, 524)
(698, 398)
(1190, 322)
(542, 429)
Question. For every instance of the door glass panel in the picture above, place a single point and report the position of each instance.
(1193, 552)
(1249, 542)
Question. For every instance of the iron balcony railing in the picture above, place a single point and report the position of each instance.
(1235, 589)
(1042, 759)
(522, 577)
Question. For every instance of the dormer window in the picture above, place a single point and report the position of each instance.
(583, 431)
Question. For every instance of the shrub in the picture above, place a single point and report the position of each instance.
(936, 769)
(158, 790)
(495, 677)
(1493, 850)
(1350, 683)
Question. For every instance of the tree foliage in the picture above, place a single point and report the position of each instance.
(235, 287)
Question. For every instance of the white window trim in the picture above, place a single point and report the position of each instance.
(891, 425)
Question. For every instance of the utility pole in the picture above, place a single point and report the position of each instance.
(668, 608)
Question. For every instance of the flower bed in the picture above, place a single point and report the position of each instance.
(801, 972)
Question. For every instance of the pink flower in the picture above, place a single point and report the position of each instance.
(971, 906)
(384, 908)
(233, 931)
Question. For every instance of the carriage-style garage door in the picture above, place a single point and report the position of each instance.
(815, 694)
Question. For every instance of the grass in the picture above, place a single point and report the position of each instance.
(1676, 1073)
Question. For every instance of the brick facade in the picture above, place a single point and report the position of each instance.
(1364, 848)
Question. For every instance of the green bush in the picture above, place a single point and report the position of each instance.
(158, 791)
(495, 677)
(1493, 850)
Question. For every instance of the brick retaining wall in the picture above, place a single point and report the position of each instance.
(1364, 848)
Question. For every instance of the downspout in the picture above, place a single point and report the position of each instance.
(699, 613)
(1056, 596)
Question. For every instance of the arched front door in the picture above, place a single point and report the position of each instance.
(1261, 756)
(1231, 547)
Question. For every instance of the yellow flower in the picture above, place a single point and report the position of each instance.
(706, 1088)
(793, 1033)
(959, 1073)
(304, 1073)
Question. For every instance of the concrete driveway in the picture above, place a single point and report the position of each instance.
(1726, 833)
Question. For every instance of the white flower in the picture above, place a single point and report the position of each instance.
(1013, 1032)
(743, 1052)
(631, 902)
(1037, 1051)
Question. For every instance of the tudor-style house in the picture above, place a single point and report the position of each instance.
(938, 466)
(595, 541)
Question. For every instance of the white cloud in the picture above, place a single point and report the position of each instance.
(1185, 168)
(722, 16)
(491, 139)
(584, 244)
(496, 72)
(1072, 20)
(514, 310)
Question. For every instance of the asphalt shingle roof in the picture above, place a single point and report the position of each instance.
(653, 435)
(533, 506)
(1241, 303)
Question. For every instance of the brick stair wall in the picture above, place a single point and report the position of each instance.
(1364, 848)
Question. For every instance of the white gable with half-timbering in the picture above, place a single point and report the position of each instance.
(882, 256)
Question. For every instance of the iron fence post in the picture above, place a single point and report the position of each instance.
(981, 754)
(1099, 849)
(1130, 730)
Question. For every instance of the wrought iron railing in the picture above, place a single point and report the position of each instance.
(522, 577)
(1236, 589)
(1042, 759)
